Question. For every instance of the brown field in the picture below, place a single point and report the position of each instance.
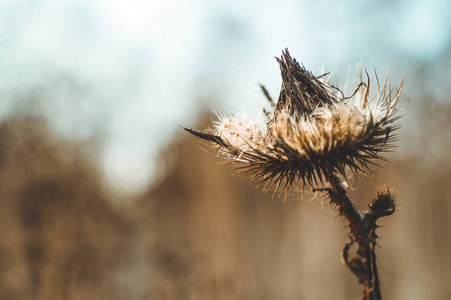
(199, 233)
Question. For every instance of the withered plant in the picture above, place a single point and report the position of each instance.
(312, 138)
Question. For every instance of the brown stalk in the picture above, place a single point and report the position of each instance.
(362, 232)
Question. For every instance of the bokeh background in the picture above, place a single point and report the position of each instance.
(103, 196)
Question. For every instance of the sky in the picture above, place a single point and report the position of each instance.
(125, 74)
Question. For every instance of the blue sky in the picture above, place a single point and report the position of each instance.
(126, 73)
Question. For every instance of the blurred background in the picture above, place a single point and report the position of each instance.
(103, 196)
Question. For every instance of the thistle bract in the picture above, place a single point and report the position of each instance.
(312, 132)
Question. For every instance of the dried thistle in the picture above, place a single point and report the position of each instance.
(313, 135)
(312, 132)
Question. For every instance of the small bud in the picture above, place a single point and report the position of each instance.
(384, 205)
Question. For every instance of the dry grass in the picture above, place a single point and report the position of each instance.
(61, 239)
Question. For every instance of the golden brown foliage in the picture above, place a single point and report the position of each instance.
(61, 238)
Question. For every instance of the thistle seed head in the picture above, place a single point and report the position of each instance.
(312, 132)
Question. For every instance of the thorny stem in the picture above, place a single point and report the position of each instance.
(376, 288)
(362, 227)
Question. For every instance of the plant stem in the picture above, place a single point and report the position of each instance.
(362, 227)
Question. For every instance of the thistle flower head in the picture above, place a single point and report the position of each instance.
(312, 132)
